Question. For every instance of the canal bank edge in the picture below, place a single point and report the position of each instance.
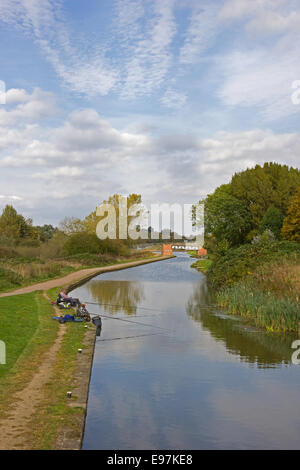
(68, 439)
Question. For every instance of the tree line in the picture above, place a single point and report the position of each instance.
(259, 202)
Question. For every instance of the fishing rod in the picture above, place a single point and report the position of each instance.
(127, 321)
(125, 306)
(144, 308)
(129, 337)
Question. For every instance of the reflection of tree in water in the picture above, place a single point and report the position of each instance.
(254, 346)
(117, 296)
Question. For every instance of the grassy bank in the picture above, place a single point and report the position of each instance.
(19, 272)
(202, 265)
(261, 283)
(57, 416)
(29, 332)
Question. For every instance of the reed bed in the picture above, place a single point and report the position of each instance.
(264, 309)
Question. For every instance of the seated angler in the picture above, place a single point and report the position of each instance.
(63, 298)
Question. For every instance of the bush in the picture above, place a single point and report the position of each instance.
(89, 243)
(7, 252)
(239, 262)
(82, 242)
(9, 279)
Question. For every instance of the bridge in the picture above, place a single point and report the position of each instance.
(167, 249)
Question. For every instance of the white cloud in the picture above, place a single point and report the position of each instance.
(86, 159)
(264, 16)
(148, 58)
(259, 73)
(12, 198)
(173, 99)
(255, 79)
(42, 19)
(30, 107)
(202, 30)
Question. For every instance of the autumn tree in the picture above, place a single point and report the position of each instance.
(291, 224)
(13, 225)
(91, 221)
(263, 186)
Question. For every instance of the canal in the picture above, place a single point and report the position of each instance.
(180, 374)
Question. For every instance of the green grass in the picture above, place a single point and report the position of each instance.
(202, 265)
(28, 331)
(54, 411)
(193, 253)
(19, 321)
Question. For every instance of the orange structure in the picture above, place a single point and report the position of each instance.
(202, 252)
(167, 250)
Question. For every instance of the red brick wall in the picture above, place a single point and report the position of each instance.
(167, 250)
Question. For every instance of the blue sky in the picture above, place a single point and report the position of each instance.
(165, 98)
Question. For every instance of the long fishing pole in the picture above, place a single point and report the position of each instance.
(144, 308)
(129, 337)
(127, 321)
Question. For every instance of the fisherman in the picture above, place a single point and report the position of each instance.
(63, 299)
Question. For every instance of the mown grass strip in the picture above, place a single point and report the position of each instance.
(29, 331)
(55, 414)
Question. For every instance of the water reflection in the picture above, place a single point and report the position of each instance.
(117, 295)
(207, 381)
(252, 345)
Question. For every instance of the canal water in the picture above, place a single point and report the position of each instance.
(180, 374)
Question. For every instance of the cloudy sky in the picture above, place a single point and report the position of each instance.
(166, 98)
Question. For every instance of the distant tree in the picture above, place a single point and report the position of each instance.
(12, 224)
(272, 220)
(45, 232)
(291, 224)
(91, 221)
(71, 225)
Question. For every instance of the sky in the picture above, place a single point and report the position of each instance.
(165, 98)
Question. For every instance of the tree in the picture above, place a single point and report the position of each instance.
(226, 218)
(291, 224)
(71, 225)
(261, 187)
(12, 224)
(45, 232)
(91, 221)
(272, 220)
